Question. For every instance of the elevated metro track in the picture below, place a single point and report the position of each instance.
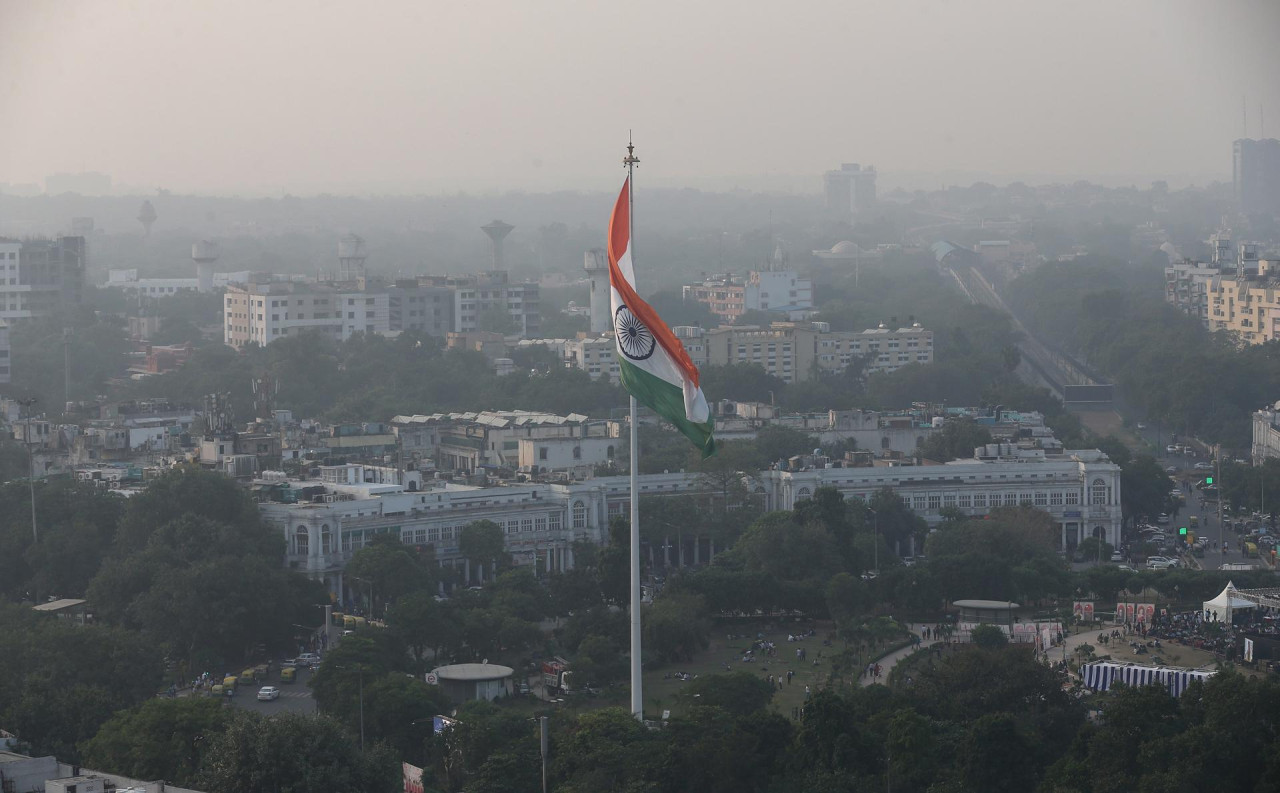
(1068, 379)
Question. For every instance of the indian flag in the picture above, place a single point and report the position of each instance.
(654, 365)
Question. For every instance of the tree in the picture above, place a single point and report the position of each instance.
(676, 627)
(957, 438)
(740, 693)
(291, 752)
(988, 637)
(497, 320)
(389, 569)
(423, 623)
(161, 739)
(482, 542)
(59, 681)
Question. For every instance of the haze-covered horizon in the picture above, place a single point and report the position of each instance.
(250, 99)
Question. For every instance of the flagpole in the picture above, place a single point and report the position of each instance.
(637, 683)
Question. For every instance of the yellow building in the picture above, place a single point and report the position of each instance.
(1248, 307)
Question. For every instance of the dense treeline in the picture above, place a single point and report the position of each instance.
(1114, 317)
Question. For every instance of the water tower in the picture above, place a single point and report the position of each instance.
(147, 216)
(204, 253)
(597, 267)
(497, 231)
(351, 258)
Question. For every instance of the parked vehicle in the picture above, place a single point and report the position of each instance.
(556, 676)
(1202, 466)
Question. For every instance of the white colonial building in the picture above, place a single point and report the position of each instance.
(1079, 488)
(325, 521)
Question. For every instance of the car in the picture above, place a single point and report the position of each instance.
(1142, 426)
(1161, 563)
(1173, 469)
(1171, 449)
(1204, 466)
(307, 659)
(1162, 519)
(1175, 493)
(268, 694)
(1126, 568)
(1116, 556)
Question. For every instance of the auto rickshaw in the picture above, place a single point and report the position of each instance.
(288, 674)
(337, 617)
(229, 685)
(348, 621)
(260, 673)
(361, 622)
(216, 690)
(246, 677)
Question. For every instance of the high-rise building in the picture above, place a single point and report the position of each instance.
(39, 278)
(597, 266)
(1256, 173)
(850, 189)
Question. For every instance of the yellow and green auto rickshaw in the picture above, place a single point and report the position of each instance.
(288, 674)
(216, 690)
(246, 677)
(260, 673)
(361, 622)
(348, 621)
(337, 617)
(229, 685)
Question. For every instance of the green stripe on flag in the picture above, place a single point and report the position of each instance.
(667, 400)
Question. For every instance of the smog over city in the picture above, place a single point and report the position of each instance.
(704, 396)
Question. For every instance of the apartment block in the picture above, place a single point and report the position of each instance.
(793, 351)
(39, 278)
(1246, 306)
(729, 296)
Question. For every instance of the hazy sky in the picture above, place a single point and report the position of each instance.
(268, 96)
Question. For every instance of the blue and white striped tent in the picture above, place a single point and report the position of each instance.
(1103, 675)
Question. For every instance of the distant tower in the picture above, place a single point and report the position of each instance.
(351, 257)
(147, 216)
(497, 231)
(597, 267)
(204, 253)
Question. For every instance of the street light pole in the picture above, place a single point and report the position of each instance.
(875, 538)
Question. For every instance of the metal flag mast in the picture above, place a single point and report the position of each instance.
(637, 694)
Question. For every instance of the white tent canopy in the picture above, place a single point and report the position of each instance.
(1221, 608)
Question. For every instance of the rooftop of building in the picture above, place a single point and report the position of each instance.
(494, 418)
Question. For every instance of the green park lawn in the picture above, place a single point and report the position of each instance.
(662, 689)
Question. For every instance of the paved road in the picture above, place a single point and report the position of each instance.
(294, 697)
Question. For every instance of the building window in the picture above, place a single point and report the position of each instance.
(964, 502)
(1101, 493)
(579, 515)
(1073, 498)
(803, 494)
(326, 539)
(555, 521)
(1042, 499)
(1055, 498)
(1011, 499)
(542, 453)
(526, 525)
(948, 501)
(540, 524)
(917, 503)
(301, 541)
(980, 499)
(935, 502)
(433, 534)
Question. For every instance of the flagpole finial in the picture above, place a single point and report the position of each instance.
(631, 160)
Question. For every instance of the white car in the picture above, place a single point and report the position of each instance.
(1172, 449)
(268, 694)
(1204, 466)
(1161, 563)
(1142, 426)
(1163, 519)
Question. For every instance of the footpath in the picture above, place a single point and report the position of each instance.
(891, 660)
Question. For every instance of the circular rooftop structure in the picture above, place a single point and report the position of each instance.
(988, 612)
(472, 672)
(461, 682)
